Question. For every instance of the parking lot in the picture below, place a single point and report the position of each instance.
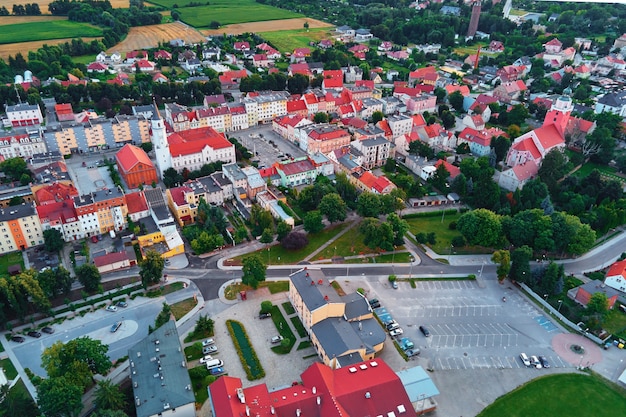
(267, 145)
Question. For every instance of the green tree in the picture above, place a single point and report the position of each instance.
(447, 119)
(58, 397)
(440, 179)
(260, 220)
(368, 205)
(89, 276)
(53, 240)
(553, 168)
(503, 258)
(266, 306)
(15, 169)
(377, 116)
(399, 227)
(520, 265)
(171, 178)
(267, 236)
(282, 230)
(66, 359)
(313, 221)
(204, 325)
(108, 396)
(500, 146)
(151, 268)
(599, 146)
(55, 281)
(254, 270)
(551, 278)
(598, 304)
(163, 317)
(147, 147)
(456, 101)
(320, 117)
(333, 207)
(14, 402)
(480, 227)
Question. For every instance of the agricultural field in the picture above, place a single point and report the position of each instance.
(202, 16)
(43, 4)
(149, 36)
(11, 49)
(288, 40)
(39, 31)
(269, 26)
(14, 20)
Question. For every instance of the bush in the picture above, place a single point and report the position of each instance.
(294, 241)
(245, 351)
(452, 225)
(458, 241)
(392, 278)
(266, 306)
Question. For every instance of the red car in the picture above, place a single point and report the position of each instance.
(94, 239)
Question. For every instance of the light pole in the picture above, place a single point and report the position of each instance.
(268, 256)
(560, 304)
(411, 269)
(480, 275)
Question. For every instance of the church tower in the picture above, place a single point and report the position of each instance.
(159, 141)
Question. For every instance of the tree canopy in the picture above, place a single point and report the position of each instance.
(151, 268)
(253, 270)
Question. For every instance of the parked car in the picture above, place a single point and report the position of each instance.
(122, 304)
(94, 239)
(208, 342)
(48, 330)
(34, 333)
(111, 308)
(374, 303)
(525, 359)
(396, 332)
(116, 326)
(406, 343)
(277, 339)
(412, 352)
(216, 371)
(18, 339)
(535, 361)
(206, 358)
(265, 315)
(394, 285)
(544, 361)
(424, 331)
(392, 326)
(209, 349)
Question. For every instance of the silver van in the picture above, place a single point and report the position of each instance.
(215, 363)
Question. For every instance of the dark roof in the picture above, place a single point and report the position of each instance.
(338, 336)
(313, 287)
(16, 212)
(159, 373)
(356, 306)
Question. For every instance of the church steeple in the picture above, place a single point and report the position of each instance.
(159, 141)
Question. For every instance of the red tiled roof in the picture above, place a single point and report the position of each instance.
(354, 122)
(549, 136)
(64, 112)
(193, 141)
(296, 167)
(296, 105)
(240, 46)
(381, 184)
(368, 179)
(333, 82)
(55, 192)
(421, 72)
(57, 213)
(384, 125)
(618, 268)
(333, 134)
(162, 54)
(110, 258)
(554, 42)
(178, 194)
(289, 120)
(364, 83)
(129, 156)
(526, 170)
(452, 170)
(136, 202)
(418, 120)
(529, 146)
(97, 66)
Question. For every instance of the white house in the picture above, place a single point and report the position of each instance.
(616, 276)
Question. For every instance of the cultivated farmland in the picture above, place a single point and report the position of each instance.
(268, 26)
(43, 4)
(38, 31)
(226, 12)
(11, 49)
(288, 40)
(14, 20)
(149, 36)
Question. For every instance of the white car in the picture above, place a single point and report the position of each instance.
(209, 349)
(525, 359)
(111, 308)
(536, 362)
(208, 342)
(277, 339)
(396, 332)
(206, 359)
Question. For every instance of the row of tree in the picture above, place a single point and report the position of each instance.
(28, 9)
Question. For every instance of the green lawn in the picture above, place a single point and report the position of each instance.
(9, 259)
(288, 308)
(349, 244)
(283, 329)
(9, 369)
(41, 31)
(571, 395)
(288, 40)
(615, 323)
(200, 380)
(194, 351)
(295, 320)
(441, 229)
(247, 355)
(227, 12)
(608, 171)
(280, 256)
(181, 308)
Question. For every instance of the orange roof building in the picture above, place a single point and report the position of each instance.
(135, 166)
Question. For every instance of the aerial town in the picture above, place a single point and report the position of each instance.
(277, 208)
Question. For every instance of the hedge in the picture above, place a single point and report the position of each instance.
(245, 351)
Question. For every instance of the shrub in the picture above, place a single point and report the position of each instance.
(245, 351)
(452, 225)
(458, 241)
(392, 278)
(266, 306)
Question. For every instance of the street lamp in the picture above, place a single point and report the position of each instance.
(560, 304)
(480, 275)
(268, 256)
(411, 269)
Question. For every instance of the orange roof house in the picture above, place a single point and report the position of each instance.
(135, 166)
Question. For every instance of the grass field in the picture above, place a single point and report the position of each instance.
(9, 259)
(181, 308)
(571, 395)
(615, 323)
(288, 40)
(200, 17)
(607, 171)
(16, 20)
(39, 31)
(441, 229)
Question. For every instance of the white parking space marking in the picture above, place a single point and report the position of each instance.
(499, 362)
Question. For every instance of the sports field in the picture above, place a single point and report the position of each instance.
(288, 40)
(40, 31)
(571, 395)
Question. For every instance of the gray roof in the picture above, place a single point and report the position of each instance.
(220, 179)
(159, 373)
(16, 212)
(613, 99)
(154, 197)
(314, 295)
(378, 140)
(95, 196)
(596, 285)
(22, 107)
(338, 336)
(233, 171)
(356, 306)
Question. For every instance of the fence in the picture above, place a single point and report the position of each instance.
(560, 316)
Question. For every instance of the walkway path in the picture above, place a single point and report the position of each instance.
(325, 245)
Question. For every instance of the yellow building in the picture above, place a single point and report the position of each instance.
(342, 329)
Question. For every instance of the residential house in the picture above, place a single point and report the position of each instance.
(285, 126)
(402, 143)
(613, 102)
(453, 171)
(325, 44)
(516, 177)
(262, 61)
(101, 211)
(436, 136)
(367, 181)
(375, 151)
(241, 46)
(616, 276)
(269, 202)
(400, 125)
(583, 293)
(137, 206)
(98, 67)
(162, 54)
(510, 91)
(426, 75)
(321, 138)
(296, 172)
(479, 140)
(133, 56)
(22, 145)
(496, 46)
(112, 262)
(362, 35)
